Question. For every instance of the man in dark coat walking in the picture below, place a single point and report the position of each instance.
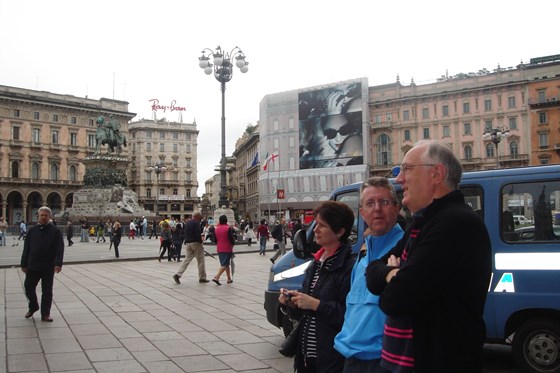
(42, 257)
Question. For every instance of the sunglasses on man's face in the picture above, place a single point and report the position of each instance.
(344, 131)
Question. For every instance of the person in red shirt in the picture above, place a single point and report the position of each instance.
(262, 235)
(225, 240)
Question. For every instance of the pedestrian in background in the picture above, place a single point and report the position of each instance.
(85, 230)
(262, 235)
(194, 249)
(42, 256)
(225, 240)
(69, 233)
(153, 229)
(3, 230)
(22, 230)
(278, 233)
(117, 235)
(131, 230)
(166, 240)
(249, 233)
(101, 232)
(178, 236)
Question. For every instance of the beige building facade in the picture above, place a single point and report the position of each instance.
(246, 174)
(43, 137)
(163, 169)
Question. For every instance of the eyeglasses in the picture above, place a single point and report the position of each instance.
(404, 168)
(344, 131)
(382, 203)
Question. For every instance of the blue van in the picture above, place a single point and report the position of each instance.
(523, 303)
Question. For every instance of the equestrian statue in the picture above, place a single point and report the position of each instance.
(108, 133)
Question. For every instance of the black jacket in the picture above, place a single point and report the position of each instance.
(193, 231)
(331, 289)
(441, 286)
(43, 248)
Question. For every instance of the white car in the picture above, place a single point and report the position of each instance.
(520, 219)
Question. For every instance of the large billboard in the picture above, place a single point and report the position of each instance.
(330, 126)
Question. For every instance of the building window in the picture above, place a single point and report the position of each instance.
(468, 152)
(72, 173)
(54, 171)
(406, 115)
(511, 101)
(162, 135)
(377, 119)
(489, 150)
(55, 118)
(466, 107)
(175, 191)
(188, 148)
(15, 169)
(406, 135)
(541, 95)
(149, 134)
(543, 139)
(514, 148)
(425, 113)
(383, 150)
(54, 136)
(90, 122)
(36, 115)
(175, 148)
(148, 192)
(544, 160)
(543, 118)
(36, 135)
(188, 195)
(487, 105)
(389, 117)
(91, 140)
(512, 123)
(188, 162)
(467, 129)
(15, 133)
(275, 125)
(488, 125)
(73, 120)
(162, 147)
(175, 164)
(16, 113)
(35, 171)
(175, 135)
(446, 132)
(445, 110)
(426, 133)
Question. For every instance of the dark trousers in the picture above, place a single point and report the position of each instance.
(30, 284)
(116, 243)
(177, 245)
(166, 246)
(352, 365)
(153, 233)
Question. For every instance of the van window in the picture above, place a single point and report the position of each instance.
(474, 198)
(352, 199)
(529, 210)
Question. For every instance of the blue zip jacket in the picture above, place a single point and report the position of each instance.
(362, 333)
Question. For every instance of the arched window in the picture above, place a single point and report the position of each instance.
(514, 148)
(54, 171)
(489, 150)
(72, 173)
(468, 152)
(384, 150)
(15, 169)
(35, 171)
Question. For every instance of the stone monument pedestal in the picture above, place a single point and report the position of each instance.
(105, 193)
(224, 211)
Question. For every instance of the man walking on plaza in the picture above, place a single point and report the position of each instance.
(361, 336)
(278, 232)
(42, 256)
(194, 249)
(3, 230)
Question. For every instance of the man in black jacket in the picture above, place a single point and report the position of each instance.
(433, 284)
(42, 257)
(194, 249)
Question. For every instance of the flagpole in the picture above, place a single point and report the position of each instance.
(278, 184)
(270, 186)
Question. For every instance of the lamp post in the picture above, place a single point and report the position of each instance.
(158, 168)
(223, 72)
(496, 135)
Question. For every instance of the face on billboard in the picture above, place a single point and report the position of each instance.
(330, 127)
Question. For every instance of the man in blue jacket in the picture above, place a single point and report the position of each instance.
(42, 256)
(361, 336)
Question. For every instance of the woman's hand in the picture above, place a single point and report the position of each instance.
(304, 301)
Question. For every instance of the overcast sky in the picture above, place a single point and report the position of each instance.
(141, 50)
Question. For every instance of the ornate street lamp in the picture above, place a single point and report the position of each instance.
(496, 135)
(158, 168)
(223, 72)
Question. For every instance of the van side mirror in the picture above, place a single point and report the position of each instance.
(301, 247)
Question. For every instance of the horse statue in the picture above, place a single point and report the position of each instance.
(108, 133)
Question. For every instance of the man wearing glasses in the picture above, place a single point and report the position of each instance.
(360, 339)
(433, 284)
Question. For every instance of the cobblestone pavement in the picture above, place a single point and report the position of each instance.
(130, 316)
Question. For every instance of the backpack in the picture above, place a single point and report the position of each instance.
(277, 232)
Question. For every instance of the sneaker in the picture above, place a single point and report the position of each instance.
(203, 280)
(176, 278)
(272, 260)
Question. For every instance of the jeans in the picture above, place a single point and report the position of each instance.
(3, 238)
(262, 243)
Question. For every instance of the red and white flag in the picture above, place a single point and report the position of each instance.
(268, 158)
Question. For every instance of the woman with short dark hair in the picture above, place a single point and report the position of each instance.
(224, 246)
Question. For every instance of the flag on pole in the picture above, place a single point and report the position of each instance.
(272, 157)
(256, 160)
